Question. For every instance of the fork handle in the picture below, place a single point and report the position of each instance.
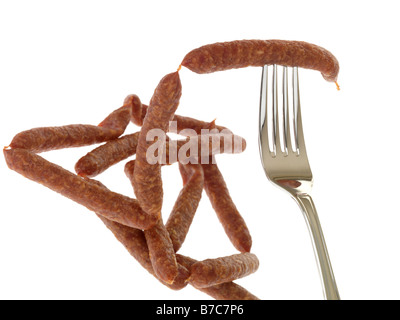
(321, 253)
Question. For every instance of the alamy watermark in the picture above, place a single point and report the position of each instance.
(195, 149)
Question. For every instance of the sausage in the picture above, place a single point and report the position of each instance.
(162, 254)
(101, 158)
(185, 207)
(223, 291)
(243, 53)
(196, 125)
(197, 148)
(113, 206)
(138, 111)
(181, 280)
(76, 135)
(106, 155)
(147, 177)
(118, 119)
(211, 272)
(53, 138)
(229, 216)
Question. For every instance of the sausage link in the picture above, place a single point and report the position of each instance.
(76, 135)
(211, 272)
(243, 53)
(147, 177)
(185, 207)
(113, 206)
(53, 138)
(195, 148)
(101, 158)
(118, 119)
(106, 155)
(223, 291)
(229, 216)
(162, 254)
(138, 110)
(181, 280)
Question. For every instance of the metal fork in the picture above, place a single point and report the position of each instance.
(286, 164)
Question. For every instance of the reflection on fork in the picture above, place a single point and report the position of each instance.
(285, 162)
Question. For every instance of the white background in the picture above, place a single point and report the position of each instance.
(64, 62)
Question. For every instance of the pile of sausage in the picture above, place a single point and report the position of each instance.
(137, 223)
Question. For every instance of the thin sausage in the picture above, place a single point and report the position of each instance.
(118, 119)
(197, 148)
(243, 53)
(229, 216)
(53, 138)
(211, 272)
(101, 158)
(162, 254)
(75, 135)
(147, 177)
(138, 111)
(113, 206)
(223, 291)
(183, 212)
(106, 155)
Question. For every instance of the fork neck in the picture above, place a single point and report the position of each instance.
(295, 186)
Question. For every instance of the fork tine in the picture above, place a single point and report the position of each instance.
(298, 126)
(287, 144)
(263, 119)
(275, 115)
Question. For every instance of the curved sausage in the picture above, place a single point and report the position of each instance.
(210, 272)
(101, 158)
(147, 177)
(75, 135)
(186, 204)
(223, 291)
(243, 53)
(162, 254)
(113, 206)
(229, 216)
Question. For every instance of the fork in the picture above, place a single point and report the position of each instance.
(286, 164)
